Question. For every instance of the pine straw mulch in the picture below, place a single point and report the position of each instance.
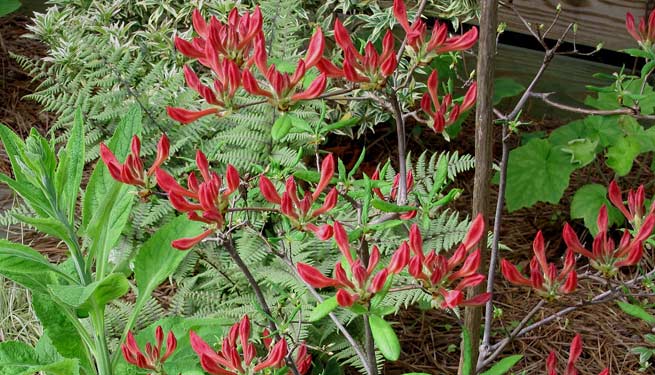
(429, 338)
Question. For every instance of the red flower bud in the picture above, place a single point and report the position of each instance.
(475, 233)
(345, 299)
(268, 190)
(187, 243)
(315, 48)
(185, 116)
(314, 277)
(399, 259)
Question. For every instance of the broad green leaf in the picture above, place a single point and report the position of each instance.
(637, 312)
(536, 172)
(97, 293)
(391, 207)
(504, 365)
(49, 226)
(467, 363)
(16, 259)
(622, 154)
(345, 123)
(56, 322)
(582, 151)
(68, 176)
(385, 338)
(9, 6)
(17, 358)
(99, 183)
(506, 88)
(281, 127)
(587, 202)
(610, 100)
(323, 309)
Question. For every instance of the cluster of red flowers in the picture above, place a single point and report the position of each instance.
(605, 256)
(361, 285)
(228, 361)
(544, 278)
(574, 354)
(444, 113)
(438, 275)
(439, 42)
(152, 359)
(645, 35)
(300, 211)
(229, 50)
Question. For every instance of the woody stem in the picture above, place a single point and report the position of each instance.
(402, 163)
(228, 243)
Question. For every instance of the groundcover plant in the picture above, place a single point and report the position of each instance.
(327, 252)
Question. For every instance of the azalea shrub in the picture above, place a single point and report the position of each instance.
(371, 227)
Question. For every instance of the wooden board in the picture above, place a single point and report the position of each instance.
(598, 20)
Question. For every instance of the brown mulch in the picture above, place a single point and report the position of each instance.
(429, 338)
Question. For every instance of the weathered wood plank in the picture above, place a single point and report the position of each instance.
(598, 20)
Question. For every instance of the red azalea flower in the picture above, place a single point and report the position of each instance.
(300, 211)
(646, 33)
(544, 278)
(605, 256)
(636, 209)
(233, 40)
(152, 359)
(444, 113)
(439, 42)
(394, 190)
(439, 275)
(370, 69)
(362, 283)
(229, 360)
(282, 89)
(211, 200)
(132, 171)
(574, 354)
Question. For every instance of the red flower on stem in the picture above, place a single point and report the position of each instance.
(574, 354)
(362, 283)
(132, 171)
(227, 81)
(444, 113)
(300, 211)
(209, 197)
(544, 278)
(438, 275)
(636, 209)
(439, 42)
(229, 361)
(233, 40)
(370, 69)
(394, 190)
(605, 256)
(283, 89)
(645, 35)
(152, 359)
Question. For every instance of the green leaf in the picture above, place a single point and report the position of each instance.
(583, 151)
(47, 225)
(385, 338)
(68, 176)
(504, 365)
(622, 154)
(8, 6)
(506, 88)
(100, 181)
(56, 322)
(536, 172)
(391, 207)
(281, 127)
(323, 309)
(17, 260)
(637, 312)
(587, 202)
(98, 293)
(467, 365)
(17, 358)
(345, 123)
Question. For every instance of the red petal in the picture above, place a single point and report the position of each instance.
(314, 277)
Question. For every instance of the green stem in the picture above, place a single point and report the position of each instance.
(102, 351)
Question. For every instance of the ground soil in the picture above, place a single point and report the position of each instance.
(428, 338)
